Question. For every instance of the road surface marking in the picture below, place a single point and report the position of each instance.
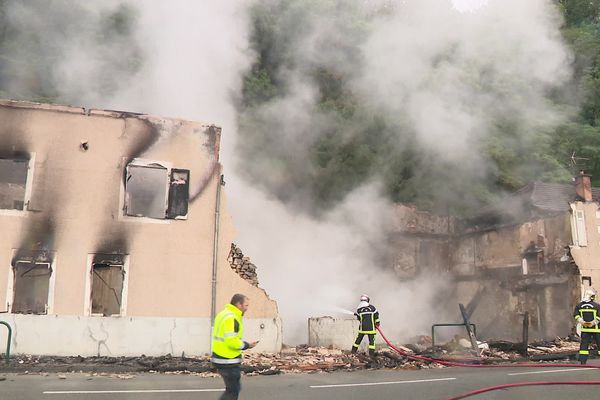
(380, 383)
(133, 391)
(551, 371)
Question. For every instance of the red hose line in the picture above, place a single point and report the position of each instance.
(509, 385)
(458, 364)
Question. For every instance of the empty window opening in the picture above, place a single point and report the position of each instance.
(31, 287)
(153, 190)
(13, 183)
(108, 277)
(146, 194)
(587, 279)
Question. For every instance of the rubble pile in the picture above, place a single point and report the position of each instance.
(299, 359)
(168, 363)
(539, 350)
(499, 350)
(242, 265)
(290, 360)
(312, 359)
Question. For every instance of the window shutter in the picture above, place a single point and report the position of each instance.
(581, 234)
(179, 194)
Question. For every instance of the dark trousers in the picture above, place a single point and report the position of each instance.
(359, 339)
(586, 338)
(232, 375)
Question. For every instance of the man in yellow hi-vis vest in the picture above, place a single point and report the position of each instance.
(227, 345)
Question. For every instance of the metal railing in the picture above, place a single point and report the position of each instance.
(8, 341)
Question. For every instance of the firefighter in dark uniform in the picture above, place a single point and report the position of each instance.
(368, 316)
(587, 314)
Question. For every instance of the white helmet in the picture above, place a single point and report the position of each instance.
(589, 294)
(364, 297)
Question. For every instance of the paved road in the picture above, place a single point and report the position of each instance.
(382, 385)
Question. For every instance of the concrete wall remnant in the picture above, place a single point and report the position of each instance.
(338, 333)
(420, 241)
(66, 335)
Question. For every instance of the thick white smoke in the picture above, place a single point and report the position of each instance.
(313, 268)
(446, 74)
(454, 75)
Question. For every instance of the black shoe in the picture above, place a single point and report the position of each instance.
(354, 350)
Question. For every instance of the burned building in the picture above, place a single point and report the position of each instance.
(115, 234)
(531, 254)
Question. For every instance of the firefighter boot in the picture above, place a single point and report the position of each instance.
(583, 359)
(372, 352)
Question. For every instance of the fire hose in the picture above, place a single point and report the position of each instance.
(463, 364)
(519, 384)
(497, 387)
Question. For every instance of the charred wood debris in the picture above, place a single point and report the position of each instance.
(298, 359)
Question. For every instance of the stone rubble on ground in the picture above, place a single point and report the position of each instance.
(298, 359)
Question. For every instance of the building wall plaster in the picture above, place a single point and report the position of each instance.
(129, 336)
(587, 257)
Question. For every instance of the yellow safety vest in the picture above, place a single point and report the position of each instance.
(227, 344)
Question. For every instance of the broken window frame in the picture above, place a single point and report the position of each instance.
(124, 264)
(175, 190)
(28, 186)
(10, 292)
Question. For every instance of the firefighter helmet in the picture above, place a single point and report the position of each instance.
(589, 294)
(364, 297)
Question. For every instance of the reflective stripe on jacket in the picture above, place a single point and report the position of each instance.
(368, 317)
(588, 311)
(227, 343)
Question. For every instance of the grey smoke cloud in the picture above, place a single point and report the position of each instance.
(76, 51)
(443, 77)
(454, 75)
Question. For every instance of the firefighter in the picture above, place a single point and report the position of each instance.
(227, 345)
(587, 314)
(368, 316)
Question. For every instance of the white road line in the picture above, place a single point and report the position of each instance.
(133, 391)
(551, 371)
(380, 383)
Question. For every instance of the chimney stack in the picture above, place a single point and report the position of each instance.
(583, 186)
